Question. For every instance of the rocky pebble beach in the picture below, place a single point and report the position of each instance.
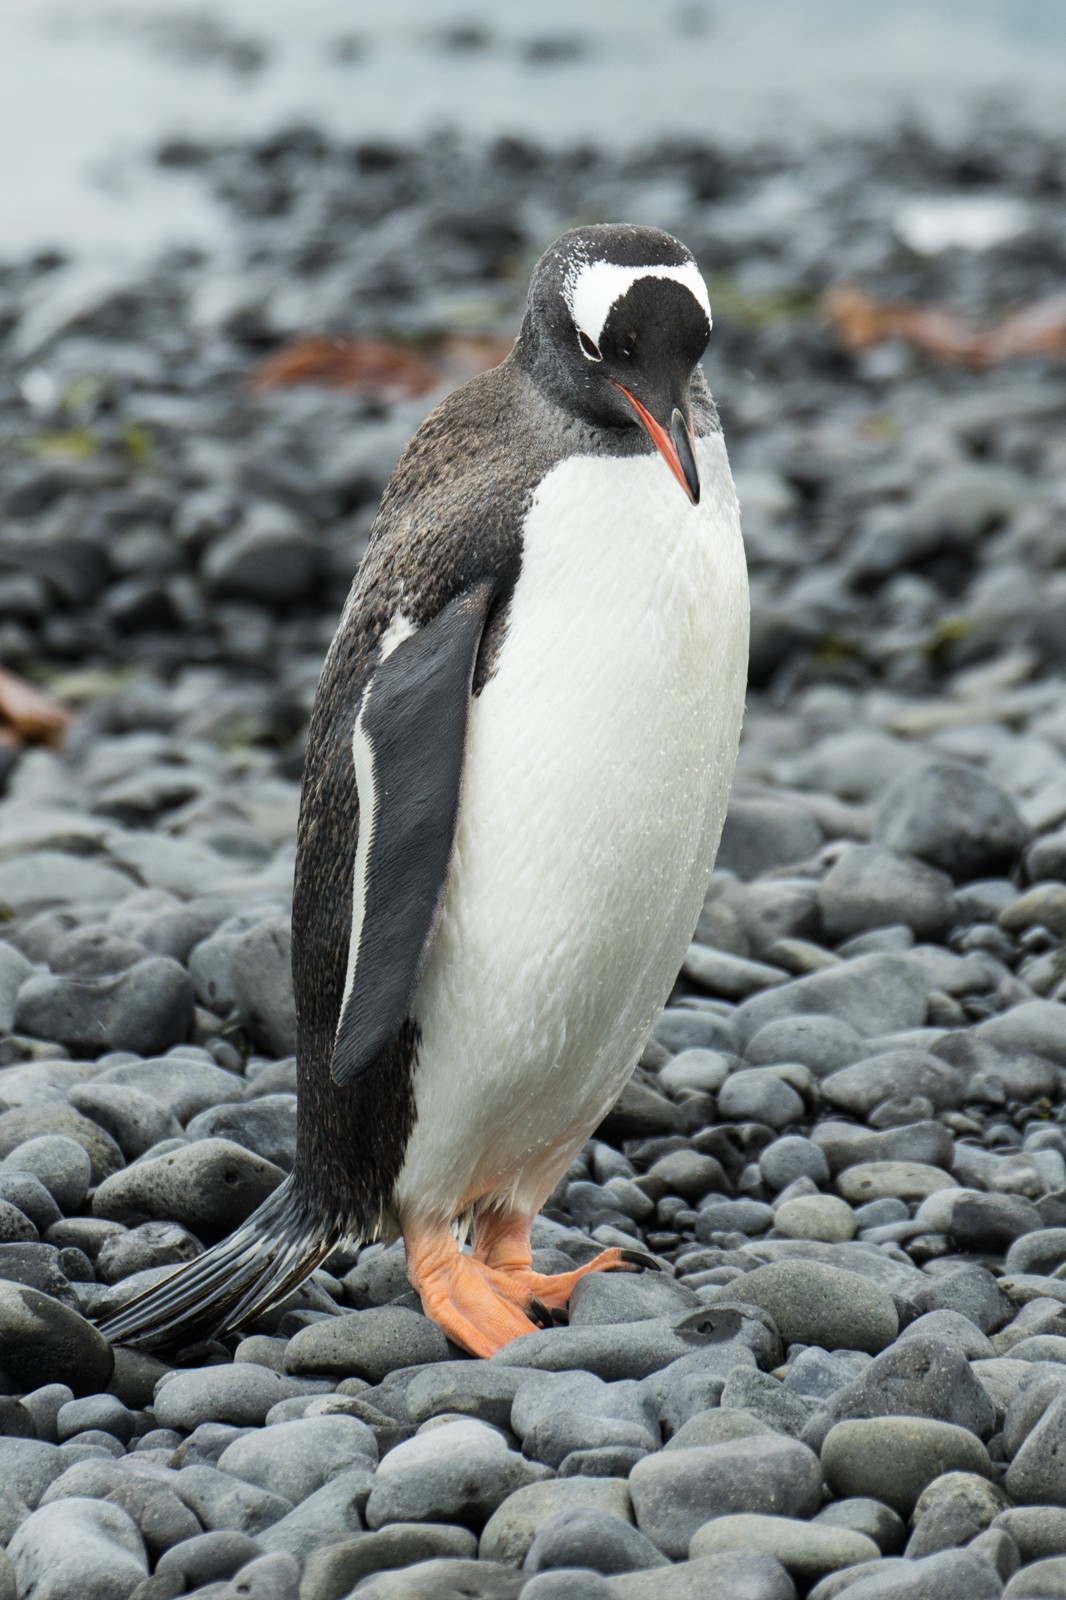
(845, 1143)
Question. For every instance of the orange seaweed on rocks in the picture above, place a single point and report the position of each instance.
(861, 322)
(379, 369)
(27, 714)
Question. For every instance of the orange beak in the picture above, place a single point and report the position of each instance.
(677, 447)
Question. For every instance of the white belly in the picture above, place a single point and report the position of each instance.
(598, 765)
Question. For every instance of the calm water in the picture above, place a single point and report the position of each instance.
(89, 87)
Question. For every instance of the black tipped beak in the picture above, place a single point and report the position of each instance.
(675, 447)
(681, 434)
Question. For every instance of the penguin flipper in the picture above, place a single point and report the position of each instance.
(408, 747)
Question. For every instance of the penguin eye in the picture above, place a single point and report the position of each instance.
(590, 350)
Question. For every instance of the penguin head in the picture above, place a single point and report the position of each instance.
(617, 320)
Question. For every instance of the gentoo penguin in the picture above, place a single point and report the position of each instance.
(517, 771)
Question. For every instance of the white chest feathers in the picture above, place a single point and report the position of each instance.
(598, 764)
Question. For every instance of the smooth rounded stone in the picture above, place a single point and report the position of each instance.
(241, 1394)
(815, 1216)
(729, 976)
(44, 1342)
(717, 1215)
(182, 1082)
(567, 1583)
(92, 950)
(269, 1577)
(518, 1519)
(366, 1344)
(15, 1226)
(973, 1220)
(556, 1415)
(604, 1461)
(968, 1289)
(472, 1388)
(28, 1468)
(951, 1575)
(895, 1074)
(208, 1557)
(52, 877)
(615, 1297)
(333, 1571)
(761, 835)
(894, 1458)
(266, 1125)
(824, 1044)
(146, 1007)
(1040, 1348)
(152, 1244)
(27, 1193)
(1036, 1027)
(296, 1458)
(600, 1540)
(815, 1304)
(262, 986)
(612, 1351)
(680, 1028)
(451, 1471)
(1038, 1531)
(331, 1514)
(951, 1510)
(874, 887)
(747, 1575)
(219, 1500)
(443, 1579)
(63, 1166)
(875, 994)
(688, 1173)
(44, 1404)
(757, 1094)
(102, 1411)
(702, 1071)
(81, 1549)
(951, 1329)
(1040, 1580)
(766, 1397)
(162, 1518)
(675, 1491)
(718, 1426)
(1039, 1252)
(792, 1157)
(1037, 1475)
(807, 1550)
(845, 1145)
(267, 558)
(815, 1374)
(135, 1121)
(1043, 906)
(210, 1187)
(900, 1180)
(954, 817)
(14, 969)
(870, 1517)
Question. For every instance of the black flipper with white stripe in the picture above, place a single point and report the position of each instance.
(408, 748)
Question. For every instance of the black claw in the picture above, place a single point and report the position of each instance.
(637, 1258)
(539, 1313)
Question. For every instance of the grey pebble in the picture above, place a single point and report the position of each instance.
(751, 1575)
(161, 1516)
(294, 1459)
(146, 1007)
(894, 1458)
(452, 1470)
(152, 1244)
(366, 1344)
(1037, 1531)
(333, 1512)
(1037, 1474)
(600, 1540)
(334, 1570)
(26, 1191)
(208, 1557)
(266, 1125)
(816, 1304)
(210, 1187)
(97, 1411)
(876, 994)
(757, 1094)
(241, 1393)
(792, 1157)
(220, 1500)
(134, 1120)
(62, 1166)
(84, 1549)
(183, 1082)
(46, 1342)
(822, 1043)
(872, 887)
(443, 1579)
(871, 1517)
(675, 1491)
(807, 1550)
(513, 1526)
(270, 1577)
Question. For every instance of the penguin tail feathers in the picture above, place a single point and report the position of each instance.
(227, 1287)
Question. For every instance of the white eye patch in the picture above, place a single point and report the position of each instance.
(595, 286)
